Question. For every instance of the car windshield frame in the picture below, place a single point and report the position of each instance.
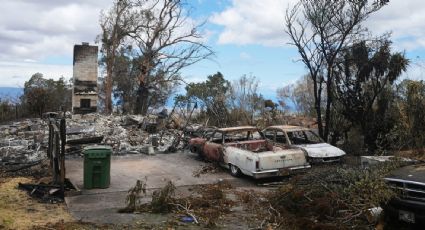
(236, 135)
(301, 137)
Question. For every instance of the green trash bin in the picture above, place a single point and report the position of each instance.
(97, 166)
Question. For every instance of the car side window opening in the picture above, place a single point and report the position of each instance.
(255, 135)
(297, 137)
(216, 137)
(269, 134)
(280, 137)
(238, 136)
(235, 136)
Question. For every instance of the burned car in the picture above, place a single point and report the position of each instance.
(409, 205)
(245, 151)
(316, 149)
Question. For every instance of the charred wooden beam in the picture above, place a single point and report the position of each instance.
(85, 140)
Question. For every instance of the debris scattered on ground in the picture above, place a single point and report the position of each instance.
(206, 169)
(332, 197)
(44, 192)
(26, 142)
(37, 170)
(125, 134)
(208, 204)
(205, 206)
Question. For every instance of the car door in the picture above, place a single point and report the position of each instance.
(270, 135)
(281, 138)
(213, 148)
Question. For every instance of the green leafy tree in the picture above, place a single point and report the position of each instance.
(211, 97)
(116, 24)
(363, 86)
(42, 95)
(411, 109)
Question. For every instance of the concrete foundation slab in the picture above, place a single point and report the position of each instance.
(102, 205)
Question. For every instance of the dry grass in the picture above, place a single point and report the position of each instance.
(80, 226)
(19, 211)
(416, 154)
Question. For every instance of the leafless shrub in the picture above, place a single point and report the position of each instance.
(133, 197)
(162, 200)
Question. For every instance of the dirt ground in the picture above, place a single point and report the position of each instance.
(216, 199)
(19, 211)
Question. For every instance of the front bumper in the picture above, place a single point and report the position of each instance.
(324, 159)
(392, 209)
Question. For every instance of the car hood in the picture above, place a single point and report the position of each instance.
(321, 150)
(414, 173)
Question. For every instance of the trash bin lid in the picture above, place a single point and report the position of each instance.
(97, 147)
(97, 151)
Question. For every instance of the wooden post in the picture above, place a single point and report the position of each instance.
(56, 154)
(62, 154)
(50, 145)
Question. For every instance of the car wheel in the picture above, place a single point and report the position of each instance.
(193, 149)
(235, 171)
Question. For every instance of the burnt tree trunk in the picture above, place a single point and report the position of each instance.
(328, 108)
(108, 89)
(142, 99)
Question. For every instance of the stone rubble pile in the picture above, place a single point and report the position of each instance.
(22, 142)
(125, 134)
(27, 141)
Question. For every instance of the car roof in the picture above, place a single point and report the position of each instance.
(288, 127)
(237, 128)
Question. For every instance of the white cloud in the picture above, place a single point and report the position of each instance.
(406, 21)
(253, 22)
(262, 22)
(38, 29)
(31, 31)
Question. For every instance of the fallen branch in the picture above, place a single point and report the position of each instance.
(187, 211)
(348, 219)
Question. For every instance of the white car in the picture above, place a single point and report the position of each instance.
(295, 136)
(245, 151)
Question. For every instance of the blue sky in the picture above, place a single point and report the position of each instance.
(247, 36)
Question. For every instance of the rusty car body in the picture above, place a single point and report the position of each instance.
(244, 150)
(304, 138)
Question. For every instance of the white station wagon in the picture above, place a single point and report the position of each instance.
(295, 136)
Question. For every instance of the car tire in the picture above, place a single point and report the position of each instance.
(235, 171)
(193, 149)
